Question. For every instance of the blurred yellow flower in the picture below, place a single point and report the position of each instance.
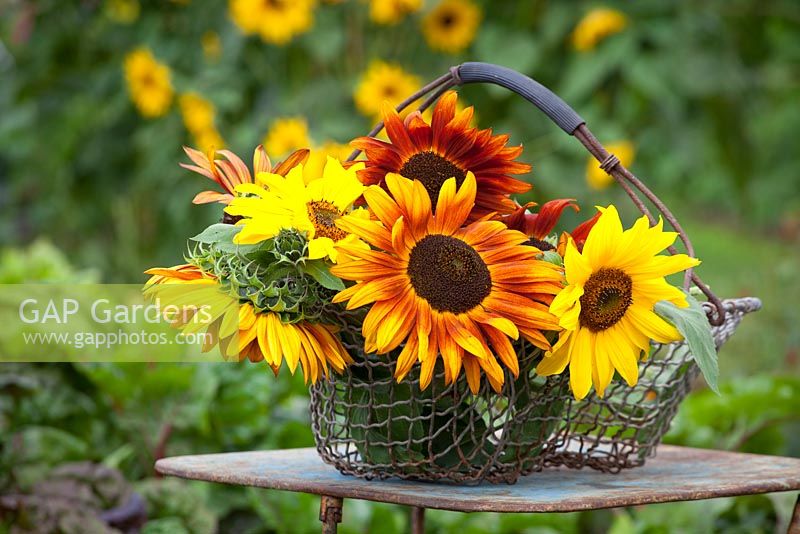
(392, 11)
(596, 177)
(198, 117)
(197, 112)
(451, 26)
(383, 82)
(212, 46)
(276, 21)
(286, 135)
(122, 11)
(319, 157)
(597, 25)
(148, 82)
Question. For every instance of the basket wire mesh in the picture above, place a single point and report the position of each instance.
(367, 425)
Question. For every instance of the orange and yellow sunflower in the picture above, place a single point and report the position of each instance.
(263, 335)
(447, 147)
(442, 288)
(230, 171)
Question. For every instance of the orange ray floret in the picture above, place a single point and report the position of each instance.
(230, 171)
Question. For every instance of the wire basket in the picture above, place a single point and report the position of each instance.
(368, 425)
(446, 433)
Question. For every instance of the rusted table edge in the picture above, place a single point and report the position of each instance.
(587, 504)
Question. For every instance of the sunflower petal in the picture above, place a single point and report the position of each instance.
(604, 238)
(622, 355)
(462, 335)
(652, 325)
(602, 368)
(370, 231)
(580, 363)
(473, 371)
(503, 348)
(455, 213)
(554, 363)
(406, 359)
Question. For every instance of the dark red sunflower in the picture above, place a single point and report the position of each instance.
(539, 225)
(447, 147)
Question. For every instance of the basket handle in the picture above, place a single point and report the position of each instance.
(568, 120)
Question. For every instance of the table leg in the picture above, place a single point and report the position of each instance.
(330, 513)
(794, 523)
(417, 520)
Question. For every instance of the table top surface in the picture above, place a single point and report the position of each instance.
(675, 474)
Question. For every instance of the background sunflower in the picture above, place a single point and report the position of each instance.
(148, 83)
(451, 25)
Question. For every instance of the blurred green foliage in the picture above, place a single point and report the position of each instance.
(707, 91)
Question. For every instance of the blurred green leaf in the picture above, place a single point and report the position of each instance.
(507, 47)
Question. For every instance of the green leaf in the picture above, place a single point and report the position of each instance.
(319, 271)
(693, 324)
(217, 233)
(233, 248)
(551, 256)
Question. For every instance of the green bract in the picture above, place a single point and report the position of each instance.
(274, 275)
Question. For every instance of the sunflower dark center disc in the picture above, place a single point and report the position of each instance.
(540, 244)
(432, 170)
(448, 273)
(323, 216)
(448, 19)
(606, 298)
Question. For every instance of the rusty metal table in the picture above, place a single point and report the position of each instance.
(676, 474)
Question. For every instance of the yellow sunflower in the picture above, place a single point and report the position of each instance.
(596, 177)
(276, 21)
(451, 26)
(287, 134)
(444, 288)
(606, 309)
(383, 82)
(263, 336)
(278, 202)
(595, 26)
(148, 82)
(392, 11)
